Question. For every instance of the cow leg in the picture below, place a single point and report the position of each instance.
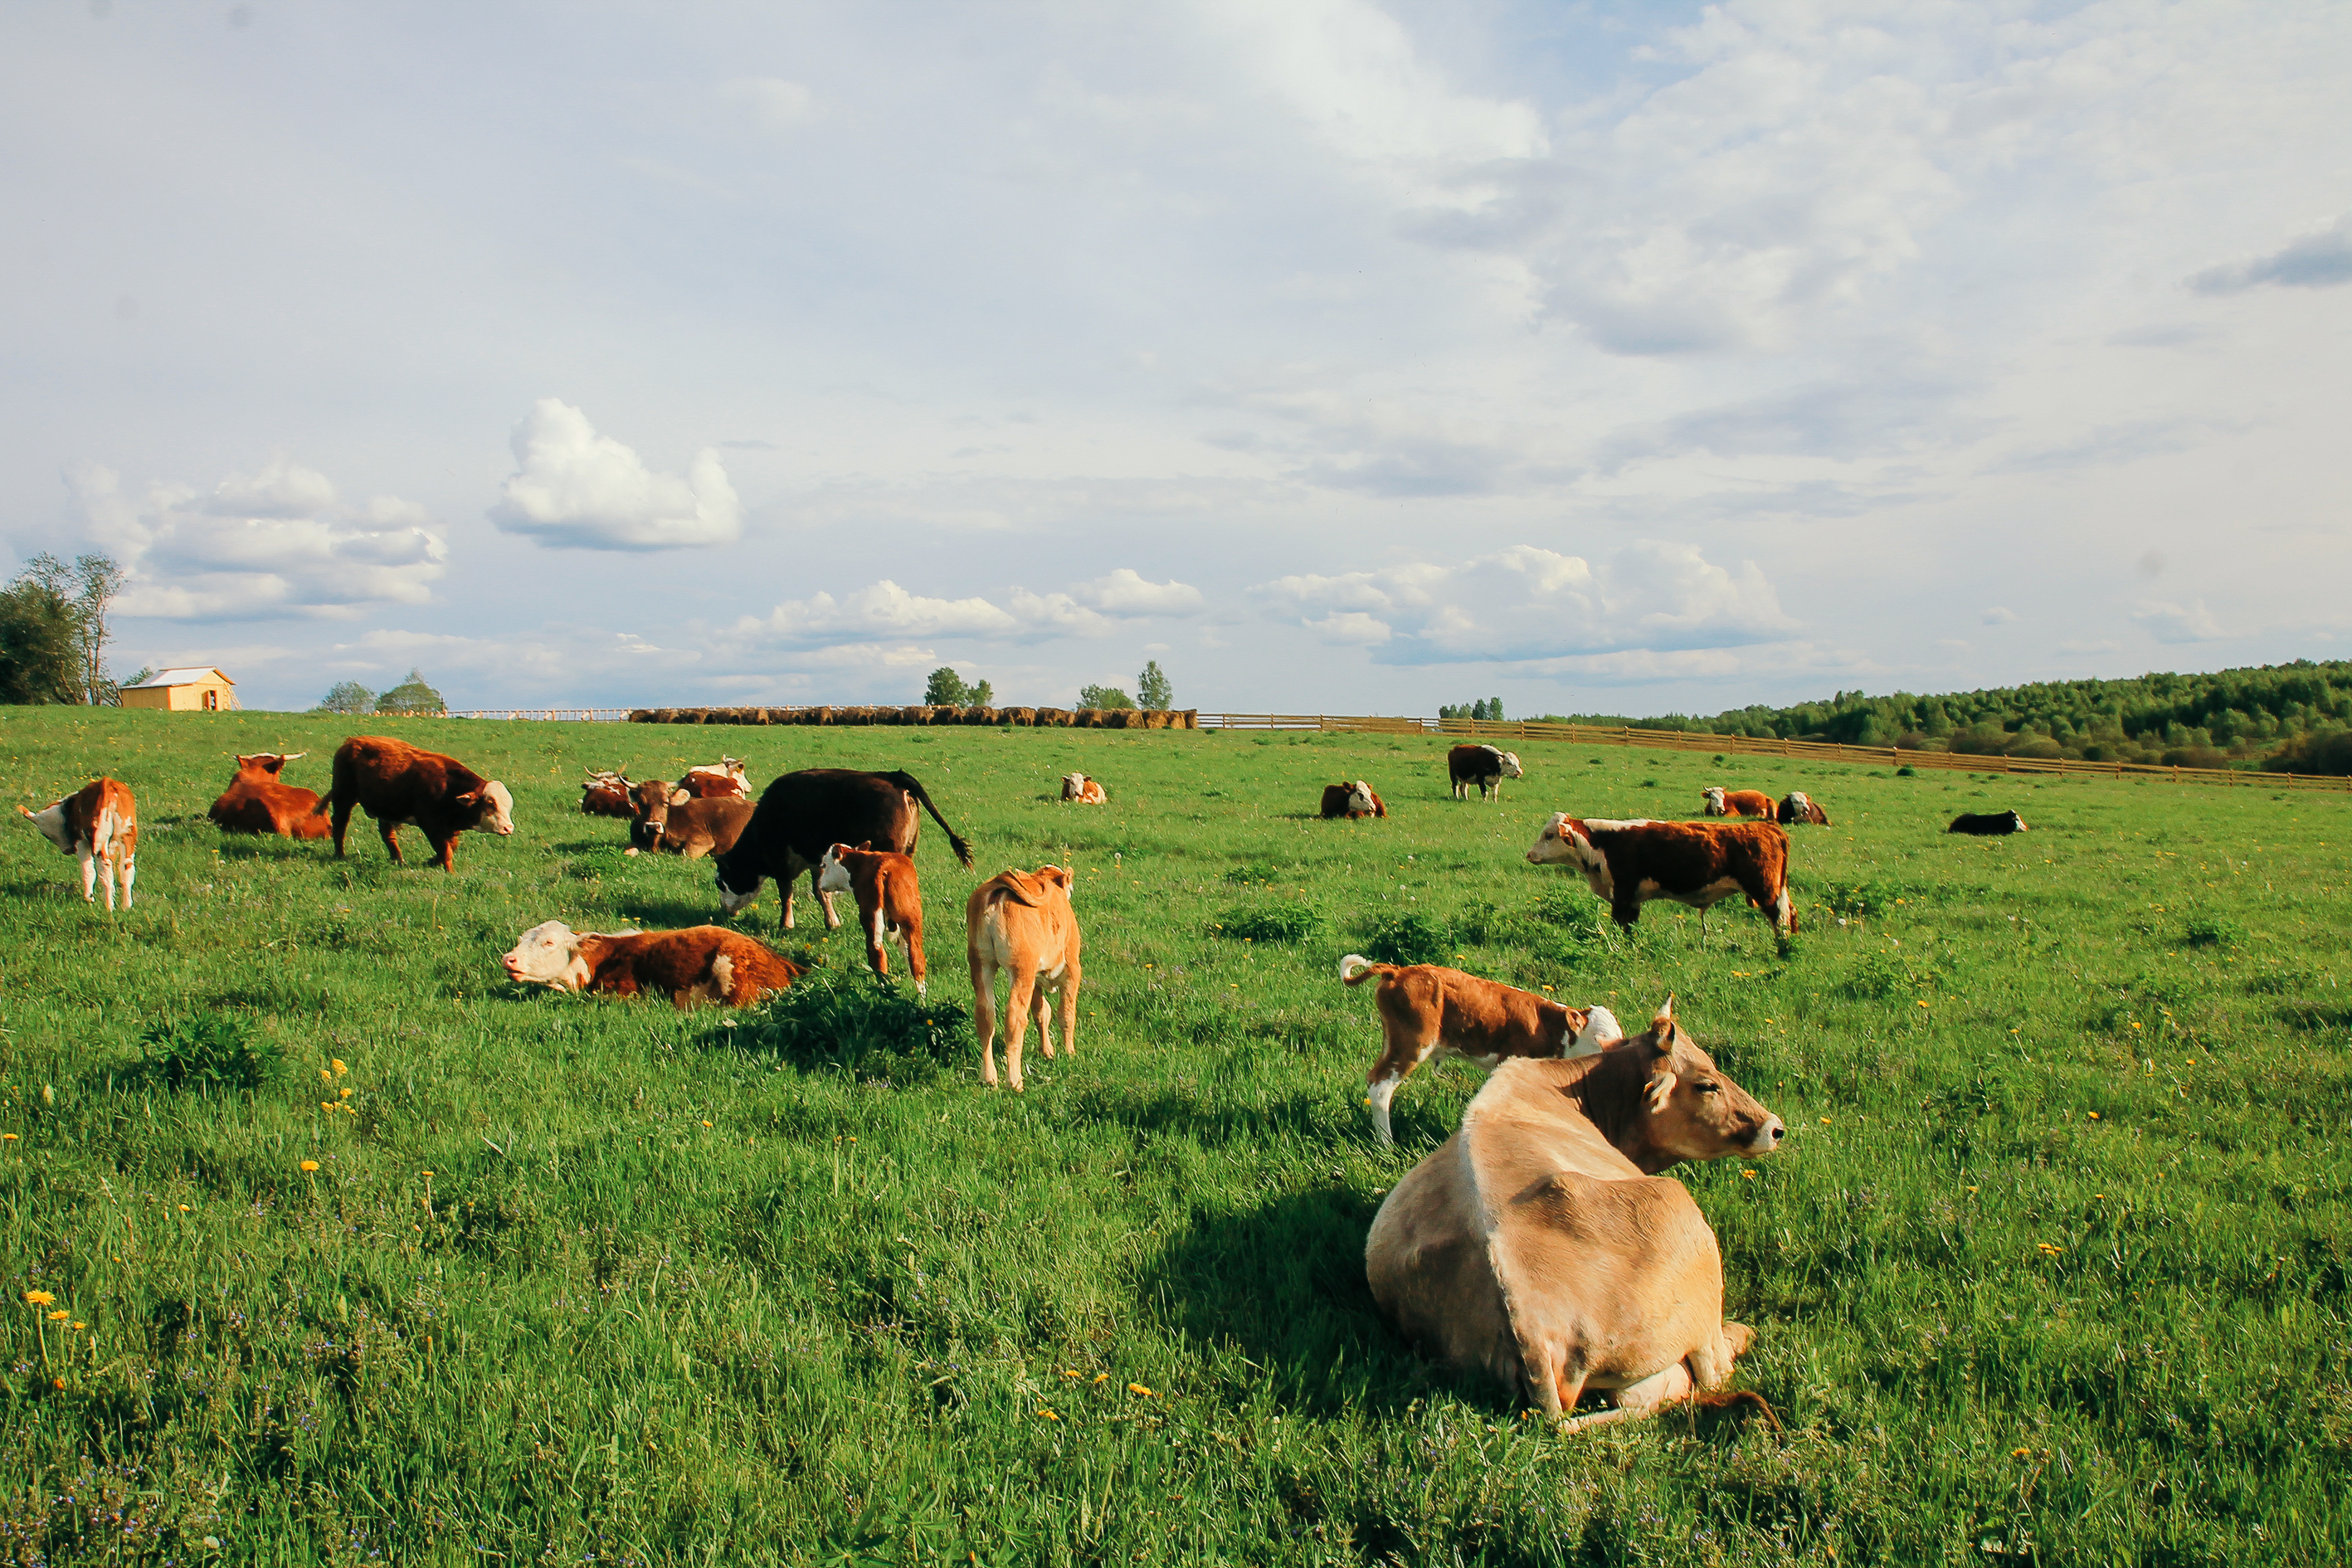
(444, 851)
(876, 954)
(825, 900)
(1702, 928)
(1042, 1005)
(1378, 1095)
(1070, 1009)
(1636, 1400)
(89, 876)
(1710, 1363)
(390, 832)
(984, 1019)
(913, 946)
(339, 824)
(785, 889)
(1018, 998)
(130, 875)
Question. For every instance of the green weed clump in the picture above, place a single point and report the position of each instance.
(853, 1021)
(2215, 930)
(208, 1049)
(1408, 937)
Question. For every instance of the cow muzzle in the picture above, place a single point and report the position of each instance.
(1767, 1138)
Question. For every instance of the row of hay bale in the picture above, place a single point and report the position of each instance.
(1062, 718)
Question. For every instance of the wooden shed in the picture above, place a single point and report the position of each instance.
(200, 690)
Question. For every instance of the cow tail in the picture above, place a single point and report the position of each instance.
(336, 772)
(956, 841)
(1355, 966)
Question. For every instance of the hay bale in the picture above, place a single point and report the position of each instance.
(981, 715)
(1057, 717)
(1023, 716)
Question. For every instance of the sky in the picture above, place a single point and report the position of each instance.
(1339, 356)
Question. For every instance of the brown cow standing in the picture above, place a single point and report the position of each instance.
(890, 902)
(1021, 924)
(1352, 800)
(701, 964)
(397, 783)
(1540, 1244)
(1720, 801)
(255, 802)
(1427, 1010)
(97, 825)
(1695, 863)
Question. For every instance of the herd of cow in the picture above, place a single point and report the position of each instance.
(1536, 1243)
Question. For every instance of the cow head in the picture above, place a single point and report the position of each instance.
(1562, 842)
(262, 767)
(833, 871)
(739, 884)
(52, 824)
(1359, 797)
(549, 954)
(1072, 785)
(1509, 762)
(491, 806)
(1690, 1110)
(2016, 822)
(1712, 795)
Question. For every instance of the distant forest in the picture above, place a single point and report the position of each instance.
(2288, 717)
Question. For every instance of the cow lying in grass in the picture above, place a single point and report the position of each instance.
(1717, 801)
(1352, 800)
(701, 964)
(1082, 791)
(1020, 925)
(607, 794)
(1988, 824)
(1797, 806)
(1428, 1011)
(1540, 1245)
(97, 825)
(890, 902)
(255, 802)
(690, 829)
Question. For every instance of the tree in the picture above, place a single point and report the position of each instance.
(116, 684)
(1151, 688)
(89, 587)
(40, 644)
(983, 696)
(946, 689)
(346, 697)
(412, 696)
(1104, 697)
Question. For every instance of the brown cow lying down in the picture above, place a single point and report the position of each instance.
(1082, 790)
(1429, 1011)
(890, 902)
(255, 802)
(607, 794)
(396, 782)
(1021, 924)
(701, 964)
(722, 780)
(1352, 800)
(1695, 863)
(1720, 801)
(97, 825)
(692, 828)
(1797, 806)
(1540, 1244)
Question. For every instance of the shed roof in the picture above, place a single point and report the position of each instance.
(196, 676)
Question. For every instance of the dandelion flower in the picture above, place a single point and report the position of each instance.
(706, 1124)
(2094, 1115)
(1923, 1002)
(309, 1164)
(1067, 1373)
(7, 1137)
(325, 1074)
(1825, 1121)
(79, 1325)
(340, 1069)
(1102, 1377)
(1138, 1388)
(1749, 1174)
(2019, 1453)
(1047, 1413)
(2047, 1250)
(39, 1298)
(347, 1091)
(59, 1316)
(184, 1208)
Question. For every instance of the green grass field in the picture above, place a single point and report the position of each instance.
(2054, 1270)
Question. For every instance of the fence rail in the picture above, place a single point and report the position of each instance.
(1747, 745)
(575, 715)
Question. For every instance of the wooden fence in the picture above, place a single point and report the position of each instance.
(1753, 746)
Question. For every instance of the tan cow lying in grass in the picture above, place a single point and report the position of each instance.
(97, 825)
(1538, 1243)
(701, 964)
(255, 802)
(1720, 801)
(1020, 924)
(890, 902)
(1427, 1010)
(1082, 790)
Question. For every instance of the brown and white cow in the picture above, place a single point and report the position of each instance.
(1540, 1244)
(725, 780)
(701, 964)
(1797, 806)
(890, 902)
(1485, 766)
(1428, 1011)
(607, 794)
(1083, 791)
(398, 783)
(255, 802)
(97, 825)
(1720, 801)
(1352, 800)
(692, 828)
(1020, 924)
(1695, 863)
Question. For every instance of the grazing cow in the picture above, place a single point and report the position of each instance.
(1695, 863)
(701, 964)
(1797, 806)
(1988, 824)
(1538, 1244)
(396, 783)
(1352, 800)
(255, 802)
(1084, 791)
(97, 825)
(890, 902)
(1428, 1011)
(1020, 924)
(1485, 766)
(1721, 802)
(724, 782)
(802, 814)
(606, 794)
(691, 828)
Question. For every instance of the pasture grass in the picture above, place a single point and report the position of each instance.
(2055, 1267)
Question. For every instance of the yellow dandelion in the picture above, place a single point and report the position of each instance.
(2094, 1115)
(2019, 1453)
(184, 1208)
(2135, 1022)
(1102, 1377)
(326, 1074)
(39, 1298)
(1825, 1121)
(309, 1164)
(1972, 1189)
(7, 1137)
(1067, 1373)
(340, 1069)
(347, 1093)
(1749, 1174)
(1138, 1388)
(2047, 1250)
(1047, 1413)
(59, 1316)
(428, 1173)
(77, 1325)
(706, 1124)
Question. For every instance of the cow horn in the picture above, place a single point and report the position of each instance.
(1665, 1014)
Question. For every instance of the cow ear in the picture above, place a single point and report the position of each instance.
(471, 797)
(1655, 1093)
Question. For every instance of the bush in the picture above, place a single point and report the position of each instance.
(208, 1050)
(1267, 923)
(40, 649)
(2315, 751)
(1408, 937)
(1104, 697)
(851, 1019)
(346, 697)
(412, 696)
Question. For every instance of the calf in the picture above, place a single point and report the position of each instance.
(1485, 766)
(1427, 1011)
(1540, 1244)
(1720, 801)
(1988, 824)
(691, 828)
(1797, 806)
(607, 794)
(1695, 863)
(1020, 924)
(701, 964)
(396, 782)
(1352, 800)
(890, 902)
(255, 802)
(801, 815)
(97, 825)
(1082, 790)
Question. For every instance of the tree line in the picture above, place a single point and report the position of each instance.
(946, 689)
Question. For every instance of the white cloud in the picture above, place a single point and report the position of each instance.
(1126, 592)
(2172, 624)
(270, 544)
(2320, 259)
(885, 610)
(1999, 615)
(770, 100)
(575, 489)
(1530, 603)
